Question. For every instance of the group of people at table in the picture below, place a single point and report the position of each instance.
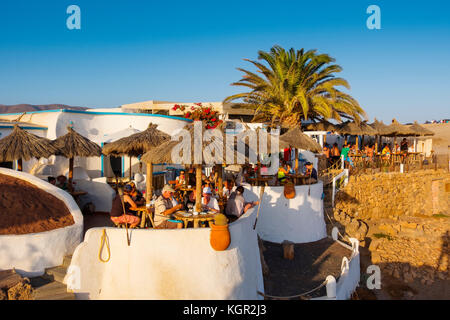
(368, 152)
(180, 197)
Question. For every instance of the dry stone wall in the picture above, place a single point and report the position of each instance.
(388, 195)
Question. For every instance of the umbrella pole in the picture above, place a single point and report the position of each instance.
(220, 180)
(296, 160)
(149, 182)
(70, 172)
(198, 188)
(130, 170)
(19, 164)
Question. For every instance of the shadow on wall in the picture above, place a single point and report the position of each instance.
(35, 257)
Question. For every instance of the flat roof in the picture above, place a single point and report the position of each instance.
(99, 113)
(5, 124)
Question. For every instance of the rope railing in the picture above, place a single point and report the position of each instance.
(294, 296)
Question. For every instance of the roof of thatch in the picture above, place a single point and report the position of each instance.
(356, 129)
(163, 153)
(421, 131)
(400, 130)
(21, 144)
(323, 125)
(381, 128)
(73, 144)
(295, 138)
(138, 143)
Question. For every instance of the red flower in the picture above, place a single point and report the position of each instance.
(213, 119)
(192, 108)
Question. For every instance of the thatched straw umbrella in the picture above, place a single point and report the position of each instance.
(163, 153)
(382, 130)
(356, 129)
(323, 125)
(295, 138)
(138, 144)
(72, 145)
(21, 144)
(400, 130)
(420, 131)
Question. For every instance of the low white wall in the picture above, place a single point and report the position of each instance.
(168, 264)
(350, 273)
(99, 192)
(349, 277)
(32, 253)
(298, 220)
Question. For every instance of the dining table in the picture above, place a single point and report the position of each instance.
(187, 217)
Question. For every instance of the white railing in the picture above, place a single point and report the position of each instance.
(348, 280)
(344, 175)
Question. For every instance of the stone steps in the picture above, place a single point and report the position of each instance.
(53, 291)
(50, 285)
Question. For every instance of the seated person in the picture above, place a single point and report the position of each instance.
(311, 172)
(236, 205)
(62, 182)
(181, 179)
(209, 203)
(136, 195)
(386, 152)
(189, 200)
(52, 180)
(164, 208)
(228, 188)
(283, 172)
(117, 214)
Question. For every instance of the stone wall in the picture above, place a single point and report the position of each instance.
(388, 195)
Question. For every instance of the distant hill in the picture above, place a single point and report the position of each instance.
(31, 107)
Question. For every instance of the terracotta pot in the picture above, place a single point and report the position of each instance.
(220, 237)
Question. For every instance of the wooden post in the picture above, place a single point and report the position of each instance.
(219, 180)
(19, 164)
(70, 172)
(149, 183)
(288, 250)
(198, 188)
(130, 170)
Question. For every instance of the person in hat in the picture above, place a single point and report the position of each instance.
(209, 203)
(311, 172)
(164, 208)
(117, 213)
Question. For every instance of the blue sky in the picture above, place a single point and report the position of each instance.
(129, 51)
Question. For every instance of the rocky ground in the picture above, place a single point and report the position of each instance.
(411, 251)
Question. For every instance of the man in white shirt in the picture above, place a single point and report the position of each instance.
(209, 203)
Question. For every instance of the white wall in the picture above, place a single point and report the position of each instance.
(32, 253)
(298, 220)
(168, 264)
(99, 193)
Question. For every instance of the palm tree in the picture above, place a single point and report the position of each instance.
(296, 85)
